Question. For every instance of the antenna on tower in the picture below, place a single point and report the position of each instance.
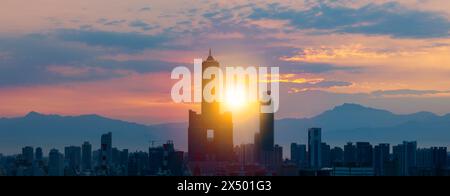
(210, 52)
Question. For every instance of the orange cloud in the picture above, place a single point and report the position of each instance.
(231, 35)
(326, 54)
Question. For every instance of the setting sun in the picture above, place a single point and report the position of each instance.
(236, 98)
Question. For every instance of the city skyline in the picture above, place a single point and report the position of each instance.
(355, 158)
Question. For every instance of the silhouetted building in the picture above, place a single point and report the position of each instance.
(299, 155)
(124, 157)
(381, 155)
(277, 157)
(156, 157)
(266, 129)
(265, 145)
(246, 154)
(315, 147)
(364, 154)
(326, 153)
(138, 164)
(73, 159)
(165, 160)
(448, 160)
(405, 157)
(55, 163)
(105, 153)
(337, 156)
(39, 154)
(431, 161)
(210, 134)
(349, 154)
(28, 154)
(86, 157)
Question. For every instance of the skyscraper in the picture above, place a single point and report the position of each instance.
(39, 154)
(364, 154)
(381, 153)
(105, 153)
(210, 134)
(73, 158)
(405, 157)
(337, 156)
(266, 129)
(245, 154)
(86, 157)
(124, 157)
(325, 155)
(28, 154)
(265, 147)
(315, 147)
(349, 154)
(432, 161)
(299, 155)
(55, 163)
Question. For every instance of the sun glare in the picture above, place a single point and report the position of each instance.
(236, 98)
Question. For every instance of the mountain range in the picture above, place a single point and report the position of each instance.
(347, 122)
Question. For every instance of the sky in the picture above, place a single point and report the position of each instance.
(114, 57)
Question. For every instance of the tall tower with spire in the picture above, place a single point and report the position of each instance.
(210, 134)
(214, 107)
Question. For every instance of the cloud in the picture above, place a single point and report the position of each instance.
(316, 68)
(107, 22)
(406, 92)
(341, 52)
(296, 83)
(141, 25)
(133, 41)
(226, 35)
(324, 84)
(373, 19)
(38, 59)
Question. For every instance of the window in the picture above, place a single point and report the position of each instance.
(210, 135)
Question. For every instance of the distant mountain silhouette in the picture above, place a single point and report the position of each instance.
(347, 122)
(50, 131)
(352, 122)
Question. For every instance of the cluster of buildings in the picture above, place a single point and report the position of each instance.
(363, 158)
(83, 161)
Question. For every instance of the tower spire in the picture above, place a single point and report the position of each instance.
(210, 52)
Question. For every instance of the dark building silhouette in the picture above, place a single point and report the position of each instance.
(210, 134)
(431, 161)
(105, 153)
(39, 154)
(266, 129)
(315, 147)
(165, 160)
(364, 154)
(299, 155)
(72, 156)
(381, 154)
(86, 157)
(264, 139)
(337, 156)
(28, 154)
(404, 156)
(349, 154)
(326, 155)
